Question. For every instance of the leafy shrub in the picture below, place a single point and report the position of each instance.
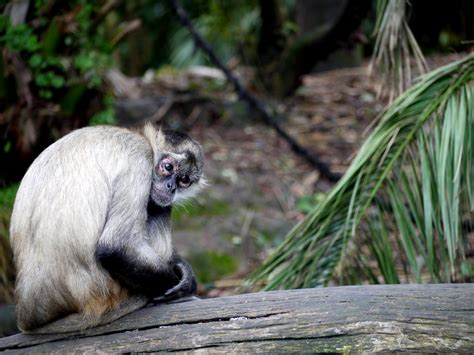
(62, 45)
(52, 70)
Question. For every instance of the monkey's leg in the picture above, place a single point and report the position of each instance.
(77, 322)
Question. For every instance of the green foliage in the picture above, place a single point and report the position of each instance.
(106, 116)
(7, 197)
(229, 26)
(211, 266)
(19, 37)
(196, 209)
(306, 204)
(7, 146)
(408, 190)
(64, 46)
(395, 47)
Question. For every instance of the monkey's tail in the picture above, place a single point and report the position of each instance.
(77, 322)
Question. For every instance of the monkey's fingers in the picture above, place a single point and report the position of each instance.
(180, 290)
(187, 284)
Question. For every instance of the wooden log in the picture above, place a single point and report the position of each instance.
(427, 318)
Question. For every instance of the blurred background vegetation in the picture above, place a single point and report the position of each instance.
(402, 213)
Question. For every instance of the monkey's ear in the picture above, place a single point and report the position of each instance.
(155, 137)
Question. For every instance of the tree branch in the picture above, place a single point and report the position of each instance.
(348, 319)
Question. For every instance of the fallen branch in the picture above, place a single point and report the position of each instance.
(350, 319)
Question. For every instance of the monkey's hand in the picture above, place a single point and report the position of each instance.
(187, 282)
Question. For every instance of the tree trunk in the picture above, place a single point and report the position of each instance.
(315, 43)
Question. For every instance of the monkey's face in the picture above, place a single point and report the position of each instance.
(177, 175)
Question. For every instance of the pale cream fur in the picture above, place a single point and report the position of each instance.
(56, 225)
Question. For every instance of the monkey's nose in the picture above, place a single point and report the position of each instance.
(171, 187)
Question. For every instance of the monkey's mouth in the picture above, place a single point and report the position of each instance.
(161, 198)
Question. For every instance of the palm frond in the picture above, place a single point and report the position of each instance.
(410, 184)
(395, 47)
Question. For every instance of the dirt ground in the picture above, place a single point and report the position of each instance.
(257, 185)
(258, 189)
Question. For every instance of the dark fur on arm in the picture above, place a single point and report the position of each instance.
(176, 281)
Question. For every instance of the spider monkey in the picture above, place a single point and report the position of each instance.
(90, 228)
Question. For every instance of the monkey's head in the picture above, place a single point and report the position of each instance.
(178, 169)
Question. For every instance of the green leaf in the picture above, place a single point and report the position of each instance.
(41, 80)
(51, 38)
(84, 61)
(36, 61)
(21, 38)
(46, 94)
(71, 98)
(416, 169)
(57, 82)
(7, 147)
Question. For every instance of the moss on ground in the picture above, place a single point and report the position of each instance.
(211, 265)
(195, 210)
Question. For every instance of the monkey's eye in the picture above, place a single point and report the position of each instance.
(166, 167)
(184, 181)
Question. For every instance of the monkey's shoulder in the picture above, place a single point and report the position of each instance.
(104, 134)
(92, 154)
(100, 141)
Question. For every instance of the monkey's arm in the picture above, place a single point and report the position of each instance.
(176, 281)
(187, 285)
(134, 246)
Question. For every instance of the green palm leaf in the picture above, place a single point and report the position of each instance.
(408, 189)
(395, 48)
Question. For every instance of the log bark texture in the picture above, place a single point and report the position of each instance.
(426, 318)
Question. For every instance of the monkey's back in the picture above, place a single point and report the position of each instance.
(59, 213)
